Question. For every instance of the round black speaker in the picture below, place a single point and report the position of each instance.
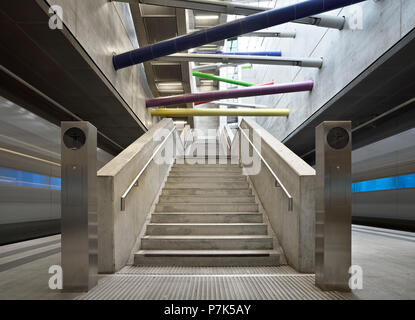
(74, 138)
(338, 138)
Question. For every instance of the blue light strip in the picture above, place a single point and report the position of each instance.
(28, 179)
(391, 183)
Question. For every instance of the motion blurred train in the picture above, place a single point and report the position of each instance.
(384, 183)
(30, 174)
(383, 176)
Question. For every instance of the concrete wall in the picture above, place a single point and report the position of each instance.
(118, 230)
(103, 28)
(294, 229)
(346, 54)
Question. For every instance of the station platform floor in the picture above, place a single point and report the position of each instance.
(387, 258)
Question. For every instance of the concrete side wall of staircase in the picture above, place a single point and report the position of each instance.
(118, 230)
(294, 229)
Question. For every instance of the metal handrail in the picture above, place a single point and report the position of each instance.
(185, 140)
(290, 198)
(135, 181)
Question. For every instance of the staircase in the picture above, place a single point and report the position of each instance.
(207, 216)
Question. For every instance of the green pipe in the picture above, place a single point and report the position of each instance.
(212, 77)
(246, 66)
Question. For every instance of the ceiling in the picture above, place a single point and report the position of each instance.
(199, 20)
(154, 24)
(157, 23)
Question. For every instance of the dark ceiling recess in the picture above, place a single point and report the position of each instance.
(154, 24)
(385, 85)
(63, 83)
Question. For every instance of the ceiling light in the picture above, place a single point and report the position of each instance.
(210, 17)
(169, 84)
(171, 87)
(170, 91)
(206, 82)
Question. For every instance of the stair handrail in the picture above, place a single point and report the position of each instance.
(279, 183)
(135, 181)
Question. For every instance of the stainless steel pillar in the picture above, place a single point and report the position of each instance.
(333, 205)
(79, 206)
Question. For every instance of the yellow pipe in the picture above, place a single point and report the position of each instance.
(188, 112)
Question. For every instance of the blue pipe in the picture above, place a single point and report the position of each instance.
(257, 53)
(258, 21)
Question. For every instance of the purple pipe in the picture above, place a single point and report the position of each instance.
(229, 94)
(255, 53)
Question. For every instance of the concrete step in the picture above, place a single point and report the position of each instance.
(204, 242)
(208, 258)
(208, 185)
(204, 173)
(206, 199)
(206, 229)
(206, 179)
(206, 192)
(207, 166)
(218, 169)
(206, 217)
(206, 207)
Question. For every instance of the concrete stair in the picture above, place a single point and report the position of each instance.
(245, 242)
(207, 185)
(206, 229)
(210, 178)
(207, 216)
(206, 207)
(209, 199)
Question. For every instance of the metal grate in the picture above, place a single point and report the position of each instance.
(190, 283)
(160, 270)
